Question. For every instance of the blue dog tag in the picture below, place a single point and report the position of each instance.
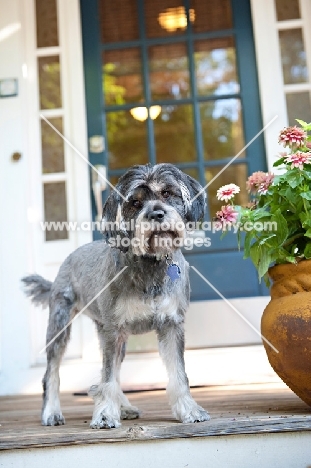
(173, 271)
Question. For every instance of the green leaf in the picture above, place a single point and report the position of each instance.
(307, 251)
(281, 223)
(266, 239)
(261, 258)
(306, 126)
(308, 233)
(291, 259)
(293, 178)
(306, 195)
(301, 122)
(279, 162)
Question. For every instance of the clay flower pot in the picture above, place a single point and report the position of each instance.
(286, 323)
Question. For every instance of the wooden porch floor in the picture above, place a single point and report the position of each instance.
(243, 409)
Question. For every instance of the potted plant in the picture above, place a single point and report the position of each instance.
(277, 237)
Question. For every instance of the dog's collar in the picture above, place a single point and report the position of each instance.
(173, 270)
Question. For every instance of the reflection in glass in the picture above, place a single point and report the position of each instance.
(52, 146)
(122, 76)
(236, 174)
(193, 172)
(141, 113)
(127, 140)
(293, 56)
(215, 65)
(287, 9)
(222, 128)
(46, 21)
(114, 180)
(169, 74)
(212, 15)
(173, 19)
(165, 19)
(298, 107)
(49, 82)
(55, 209)
(174, 134)
(118, 20)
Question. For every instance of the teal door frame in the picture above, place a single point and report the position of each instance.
(222, 263)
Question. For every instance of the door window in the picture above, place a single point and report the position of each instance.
(294, 58)
(51, 107)
(171, 88)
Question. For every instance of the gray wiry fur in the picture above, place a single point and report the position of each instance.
(38, 289)
(143, 297)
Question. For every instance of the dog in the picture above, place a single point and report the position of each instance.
(151, 293)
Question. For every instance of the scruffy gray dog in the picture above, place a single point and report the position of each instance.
(152, 293)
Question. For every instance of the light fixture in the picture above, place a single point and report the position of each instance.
(172, 19)
(141, 113)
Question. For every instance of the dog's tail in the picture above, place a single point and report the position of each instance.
(38, 289)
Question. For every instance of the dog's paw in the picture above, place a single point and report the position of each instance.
(197, 414)
(129, 412)
(104, 421)
(188, 411)
(53, 419)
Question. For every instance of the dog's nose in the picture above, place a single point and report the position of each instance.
(156, 215)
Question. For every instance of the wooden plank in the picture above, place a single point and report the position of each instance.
(141, 433)
(233, 411)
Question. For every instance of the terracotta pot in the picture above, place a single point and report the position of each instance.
(286, 323)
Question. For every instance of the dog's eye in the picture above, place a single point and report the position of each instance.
(166, 194)
(137, 203)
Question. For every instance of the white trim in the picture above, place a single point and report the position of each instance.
(305, 9)
(48, 51)
(289, 24)
(45, 257)
(297, 87)
(54, 177)
(272, 89)
(269, 73)
(52, 113)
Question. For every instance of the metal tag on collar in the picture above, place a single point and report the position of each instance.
(173, 270)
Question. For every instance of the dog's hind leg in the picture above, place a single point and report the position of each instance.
(59, 318)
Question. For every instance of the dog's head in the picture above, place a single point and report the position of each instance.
(150, 209)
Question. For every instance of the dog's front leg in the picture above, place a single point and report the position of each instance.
(171, 347)
(107, 395)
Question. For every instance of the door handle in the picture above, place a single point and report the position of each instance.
(99, 184)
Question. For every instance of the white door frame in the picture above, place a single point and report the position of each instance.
(269, 66)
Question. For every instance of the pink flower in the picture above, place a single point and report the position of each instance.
(298, 159)
(226, 192)
(227, 215)
(292, 136)
(259, 182)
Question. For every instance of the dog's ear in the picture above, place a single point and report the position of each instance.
(196, 204)
(112, 216)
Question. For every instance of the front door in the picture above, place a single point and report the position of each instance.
(175, 81)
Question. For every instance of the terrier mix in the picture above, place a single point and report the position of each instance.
(144, 229)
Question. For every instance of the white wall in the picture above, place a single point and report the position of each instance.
(14, 319)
